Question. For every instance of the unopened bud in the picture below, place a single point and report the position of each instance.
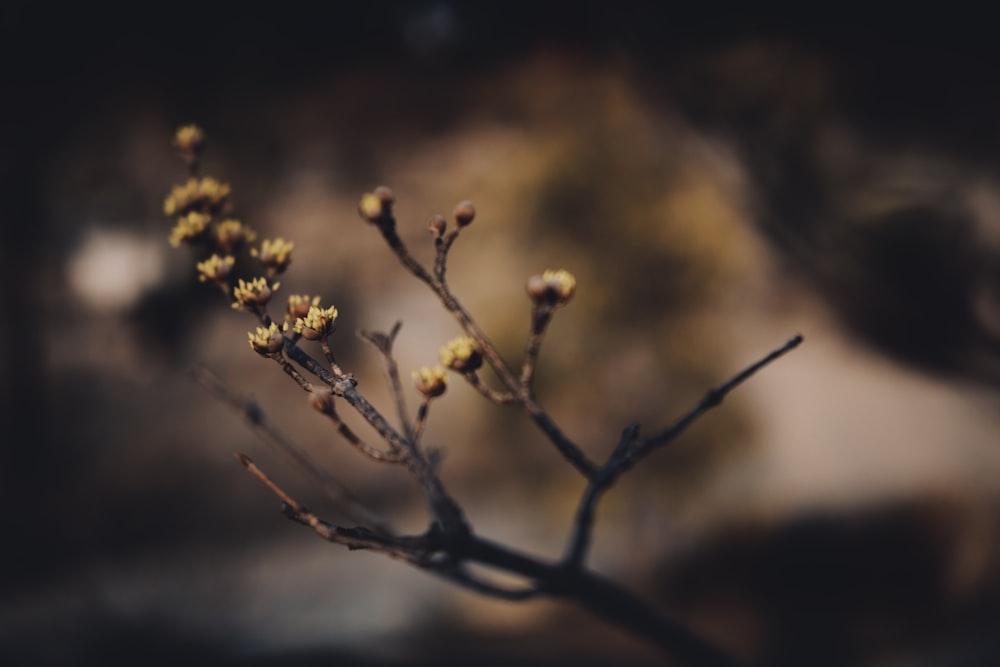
(553, 288)
(321, 399)
(464, 213)
(437, 225)
(431, 382)
(376, 206)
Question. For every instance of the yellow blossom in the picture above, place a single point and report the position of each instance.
(206, 195)
(231, 235)
(376, 206)
(189, 142)
(431, 382)
(189, 228)
(254, 294)
(215, 269)
(554, 288)
(275, 255)
(266, 341)
(461, 354)
(299, 304)
(317, 324)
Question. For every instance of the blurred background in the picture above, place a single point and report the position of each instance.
(716, 181)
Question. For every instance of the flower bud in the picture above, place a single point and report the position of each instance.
(231, 235)
(318, 323)
(437, 225)
(254, 294)
(553, 288)
(189, 141)
(321, 400)
(275, 255)
(190, 228)
(464, 213)
(267, 341)
(376, 206)
(299, 305)
(431, 382)
(461, 354)
(215, 269)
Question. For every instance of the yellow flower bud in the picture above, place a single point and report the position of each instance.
(254, 294)
(461, 354)
(431, 382)
(266, 341)
(553, 288)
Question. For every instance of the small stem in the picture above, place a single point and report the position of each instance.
(442, 245)
(291, 371)
(713, 398)
(328, 353)
(392, 456)
(583, 525)
(541, 315)
(566, 447)
(383, 342)
(418, 429)
(491, 394)
(333, 488)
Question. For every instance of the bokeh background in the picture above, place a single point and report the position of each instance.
(716, 181)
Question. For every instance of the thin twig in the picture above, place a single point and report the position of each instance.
(292, 372)
(445, 557)
(713, 398)
(383, 342)
(504, 398)
(345, 501)
(541, 315)
(421, 421)
(583, 524)
(372, 452)
(630, 449)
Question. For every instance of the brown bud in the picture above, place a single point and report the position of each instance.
(276, 342)
(322, 400)
(464, 213)
(385, 194)
(437, 225)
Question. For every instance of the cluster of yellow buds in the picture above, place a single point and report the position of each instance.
(231, 235)
(299, 305)
(206, 195)
(552, 288)
(190, 228)
(216, 269)
(275, 255)
(461, 354)
(253, 295)
(190, 142)
(431, 382)
(318, 323)
(267, 340)
(197, 206)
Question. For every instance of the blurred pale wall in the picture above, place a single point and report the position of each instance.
(715, 188)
